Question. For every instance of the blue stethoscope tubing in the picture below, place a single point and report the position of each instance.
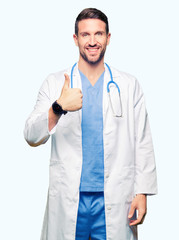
(108, 88)
(72, 74)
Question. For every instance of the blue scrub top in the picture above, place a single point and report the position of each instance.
(92, 177)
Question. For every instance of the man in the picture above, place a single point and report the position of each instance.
(102, 163)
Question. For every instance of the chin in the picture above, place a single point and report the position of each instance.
(92, 59)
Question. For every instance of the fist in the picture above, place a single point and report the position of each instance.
(70, 98)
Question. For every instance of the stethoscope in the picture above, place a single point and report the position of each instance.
(116, 109)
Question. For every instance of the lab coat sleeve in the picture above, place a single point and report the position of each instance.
(36, 128)
(145, 168)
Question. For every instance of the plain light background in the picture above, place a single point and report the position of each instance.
(36, 39)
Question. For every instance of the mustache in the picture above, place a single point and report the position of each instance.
(93, 46)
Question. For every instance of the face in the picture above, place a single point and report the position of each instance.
(92, 40)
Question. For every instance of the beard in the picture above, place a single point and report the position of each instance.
(93, 62)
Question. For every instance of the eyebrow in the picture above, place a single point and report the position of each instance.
(84, 33)
(89, 33)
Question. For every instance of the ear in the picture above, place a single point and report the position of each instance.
(75, 39)
(108, 38)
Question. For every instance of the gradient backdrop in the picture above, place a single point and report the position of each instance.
(36, 39)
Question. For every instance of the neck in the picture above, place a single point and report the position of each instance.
(92, 72)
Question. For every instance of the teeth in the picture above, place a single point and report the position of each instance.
(89, 49)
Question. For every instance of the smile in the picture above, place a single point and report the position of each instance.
(93, 50)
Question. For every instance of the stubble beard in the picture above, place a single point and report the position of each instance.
(84, 56)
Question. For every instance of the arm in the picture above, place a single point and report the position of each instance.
(36, 127)
(145, 169)
(42, 121)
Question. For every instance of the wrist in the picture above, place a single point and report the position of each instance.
(57, 108)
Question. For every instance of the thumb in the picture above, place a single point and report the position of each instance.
(67, 82)
(131, 212)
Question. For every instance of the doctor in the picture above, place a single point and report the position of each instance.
(102, 163)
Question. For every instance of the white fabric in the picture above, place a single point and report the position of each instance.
(129, 165)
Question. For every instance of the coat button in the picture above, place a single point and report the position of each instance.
(108, 208)
(107, 175)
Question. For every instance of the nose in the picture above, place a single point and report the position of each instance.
(92, 40)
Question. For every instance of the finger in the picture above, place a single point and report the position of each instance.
(139, 220)
(131, 212)
(67, 82)
(78, 90)
(134, 222)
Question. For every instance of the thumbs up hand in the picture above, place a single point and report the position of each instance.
(70, 98)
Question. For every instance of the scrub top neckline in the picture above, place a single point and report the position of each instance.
(96, 83)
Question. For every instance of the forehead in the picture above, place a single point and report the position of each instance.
(91, 25)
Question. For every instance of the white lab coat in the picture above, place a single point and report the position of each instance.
(129, 165)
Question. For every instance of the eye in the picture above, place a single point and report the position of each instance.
(84, 34)
(99, 33)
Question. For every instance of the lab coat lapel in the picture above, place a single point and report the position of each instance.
(105, 93)
(77, 84)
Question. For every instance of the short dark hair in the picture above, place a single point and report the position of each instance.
(92, 13)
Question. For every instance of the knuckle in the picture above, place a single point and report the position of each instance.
(78, 90)
(140, 222)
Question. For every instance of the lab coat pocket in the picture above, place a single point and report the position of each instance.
(68, 119)
(117, 216)
(56, 176)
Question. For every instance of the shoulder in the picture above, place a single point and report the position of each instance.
(125, 78)
(57, 76)
(53, 83)
(55, 80)
(127, 81)
(122, 75)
